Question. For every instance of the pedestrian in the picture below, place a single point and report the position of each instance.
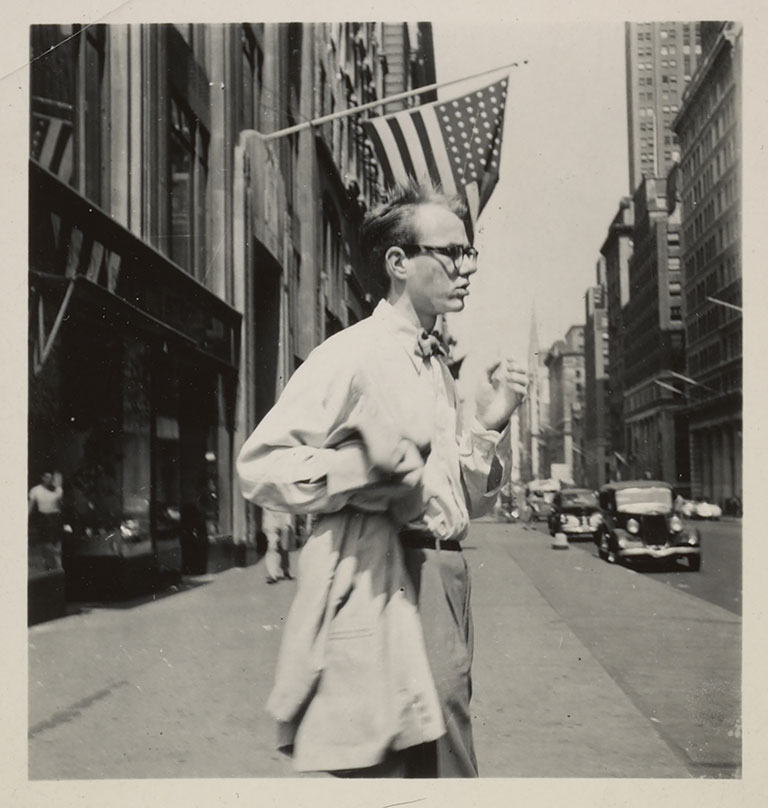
(277, 560)
(45, 521)
(373, 675)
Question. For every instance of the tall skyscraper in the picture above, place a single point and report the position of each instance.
(661, 60)
(709, 182)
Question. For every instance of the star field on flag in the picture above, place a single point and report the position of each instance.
(455, 144)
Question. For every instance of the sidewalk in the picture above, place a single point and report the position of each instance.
(176, 687)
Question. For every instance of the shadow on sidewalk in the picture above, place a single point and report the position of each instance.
(187, 583)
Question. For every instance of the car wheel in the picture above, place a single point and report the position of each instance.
(602, 546)
(694, 563)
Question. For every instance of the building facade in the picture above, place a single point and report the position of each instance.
(661, 59)
(616, 252)
(134, 338)
(656, 434)
(181, 267)
(709, 179)
(565, 364)
(595, 447)
(534, 413)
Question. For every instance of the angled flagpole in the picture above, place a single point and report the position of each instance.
(343, 113)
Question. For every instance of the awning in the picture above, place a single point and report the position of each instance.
(86, 262)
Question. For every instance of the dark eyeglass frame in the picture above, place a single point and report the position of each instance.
(455, 252)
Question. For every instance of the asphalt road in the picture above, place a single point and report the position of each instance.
(720, 579)
(676, 657)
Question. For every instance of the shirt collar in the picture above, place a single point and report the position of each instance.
(401, 328)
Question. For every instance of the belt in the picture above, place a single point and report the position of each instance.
(417, 540)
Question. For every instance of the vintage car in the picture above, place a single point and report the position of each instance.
(575, 512)
(698, 509)
(640, 524)
(706, 510)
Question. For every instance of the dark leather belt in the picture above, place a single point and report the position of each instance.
(416, 540)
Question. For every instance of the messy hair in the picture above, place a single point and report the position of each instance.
(391, 223)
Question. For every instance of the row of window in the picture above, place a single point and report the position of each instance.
(725, 273)
(349, 81)
(703, 327)
(705, 105)
(647, 158)
(709, 141)
(645, 32)
(704, 359)
(719, 204)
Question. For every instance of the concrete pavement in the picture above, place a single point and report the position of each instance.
(175, 687)
(612, 673)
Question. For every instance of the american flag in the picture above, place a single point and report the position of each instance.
(455, 144)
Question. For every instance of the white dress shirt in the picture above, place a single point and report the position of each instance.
(353, 679)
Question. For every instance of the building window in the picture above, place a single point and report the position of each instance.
(188, 169)
(95, 112)
(251, 63)
(332, 255)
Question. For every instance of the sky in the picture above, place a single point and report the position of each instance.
(563, 171)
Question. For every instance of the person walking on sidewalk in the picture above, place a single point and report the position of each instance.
(45, 519)
(277, 529)
(373, 674)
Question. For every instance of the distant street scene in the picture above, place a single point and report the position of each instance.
(197, 195)
(582, 669)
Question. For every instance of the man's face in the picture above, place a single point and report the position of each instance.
(432, 281)
(47, 479)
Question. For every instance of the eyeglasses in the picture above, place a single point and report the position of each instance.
(456, 252)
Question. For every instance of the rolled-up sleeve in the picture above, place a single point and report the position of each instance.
(485, 458)
(306, 455)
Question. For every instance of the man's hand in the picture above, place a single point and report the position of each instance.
(500, 393)
(408, 464)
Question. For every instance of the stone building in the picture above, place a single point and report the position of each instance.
(709, 183)
(182, 266)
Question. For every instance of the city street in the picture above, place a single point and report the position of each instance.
(582, 669)
(719, 580)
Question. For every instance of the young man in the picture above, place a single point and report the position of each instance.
(373, 677)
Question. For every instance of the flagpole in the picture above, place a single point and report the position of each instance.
(343, 113)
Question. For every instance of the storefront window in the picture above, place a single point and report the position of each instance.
(167, 454)
(181, 156)
(136, 447)
(188, 180)
(92, 456)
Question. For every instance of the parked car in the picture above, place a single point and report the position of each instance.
(640, 524)
(698, 509)
(575, 512)
(706, 510)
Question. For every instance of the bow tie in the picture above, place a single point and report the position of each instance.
(428, 345)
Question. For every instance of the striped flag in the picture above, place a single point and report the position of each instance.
(53, 145)
(455, 144)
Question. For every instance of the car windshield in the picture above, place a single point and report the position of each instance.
(584, 499)
(644, 500)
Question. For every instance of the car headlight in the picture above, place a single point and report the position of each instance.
(633, 526)
(596, 520)
(693, 539)
(563, 518)
(675, 524)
